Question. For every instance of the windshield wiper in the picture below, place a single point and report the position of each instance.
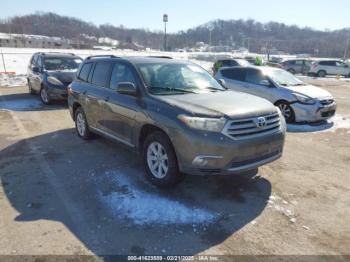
(174, 89)
(216, 89)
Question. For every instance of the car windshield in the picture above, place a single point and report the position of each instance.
(61, 63)
(171, 78)
(283, 77)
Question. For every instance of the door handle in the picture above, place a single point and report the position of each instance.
(106, 99)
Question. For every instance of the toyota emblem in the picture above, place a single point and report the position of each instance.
(261, 122)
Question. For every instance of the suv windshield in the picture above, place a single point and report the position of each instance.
(166, 78)
(283, 78)
(61, 63)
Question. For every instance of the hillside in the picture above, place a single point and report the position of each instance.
(256, 36)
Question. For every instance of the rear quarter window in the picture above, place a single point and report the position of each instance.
(84, 72)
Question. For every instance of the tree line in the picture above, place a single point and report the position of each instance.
(256, 36)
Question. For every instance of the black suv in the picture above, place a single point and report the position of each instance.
(176, 115)
(49, 75)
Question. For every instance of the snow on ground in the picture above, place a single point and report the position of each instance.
(22, 104)
(328, 78)
(331, 125)
(144, 208)
(9, 80)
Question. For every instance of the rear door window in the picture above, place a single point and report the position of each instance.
(101, 74)
(237, 74)
(85, 71)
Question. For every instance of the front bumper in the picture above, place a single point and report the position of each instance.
(205, 153)
(313, 113)
(57, 93)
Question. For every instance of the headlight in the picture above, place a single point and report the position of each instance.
(304, 99)
(53, 80)
(207, 124)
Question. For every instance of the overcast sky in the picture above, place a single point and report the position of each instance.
(184, 14)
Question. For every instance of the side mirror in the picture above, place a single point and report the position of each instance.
(127, 88)
(265, 83)
(36, 69)
(222, 82)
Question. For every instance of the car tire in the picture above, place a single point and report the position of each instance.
(81, 124)
(44, 96)
(287, 111)
(30, 87)
(160, 160)
(321, 73)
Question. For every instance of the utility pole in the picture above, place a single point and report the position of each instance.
(165, 20)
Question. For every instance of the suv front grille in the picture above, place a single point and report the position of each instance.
(327, 102)
(253, 127)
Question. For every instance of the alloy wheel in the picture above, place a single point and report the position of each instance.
(157, 160)
(44, 96)
(81, 125)
(286, 110)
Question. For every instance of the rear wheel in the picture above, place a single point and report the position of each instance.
(160, 160)
(321, 73)
(287, 111)
(44, 96)
(81, 124)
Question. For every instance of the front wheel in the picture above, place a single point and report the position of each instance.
(160, 161)
(44, 96)
(287, 111)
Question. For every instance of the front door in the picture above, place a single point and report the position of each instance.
(120, 110)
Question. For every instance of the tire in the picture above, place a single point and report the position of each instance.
(321, 73)
(81, 124)
(44, 96)
(348, 76)
(30, 87)
(160, 161)
(287, 111)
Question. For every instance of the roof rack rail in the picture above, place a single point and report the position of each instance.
(43, 53)
(160, 56)
(97, 56)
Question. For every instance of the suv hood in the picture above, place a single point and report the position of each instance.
(310, 91)
(66, 77)
(231, 104)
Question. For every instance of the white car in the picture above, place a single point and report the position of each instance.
(298, 101)
(322, 68)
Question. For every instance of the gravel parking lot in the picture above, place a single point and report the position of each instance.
(62, 195)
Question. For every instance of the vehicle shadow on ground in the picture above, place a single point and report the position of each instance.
(309, 128)
(28, 102)
(97, 190)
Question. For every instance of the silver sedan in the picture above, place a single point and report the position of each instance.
(298, 101)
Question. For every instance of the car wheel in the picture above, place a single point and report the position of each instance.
(160, 161)
(44, 96)
(30, 87)
(287, 111)
(81, 124)
(321, 73)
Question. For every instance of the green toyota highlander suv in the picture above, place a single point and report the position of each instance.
(176, 116)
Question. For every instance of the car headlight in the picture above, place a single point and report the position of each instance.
(53, 80)
(304, 99)
(201, 123)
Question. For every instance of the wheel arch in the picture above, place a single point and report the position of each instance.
(145, 131)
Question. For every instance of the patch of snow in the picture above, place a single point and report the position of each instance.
(20, 104)
(145, 208)
(331, 125)
(9, 80)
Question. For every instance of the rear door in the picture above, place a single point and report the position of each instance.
(120, 110)
(94, 80)
(234, 78)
